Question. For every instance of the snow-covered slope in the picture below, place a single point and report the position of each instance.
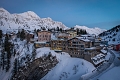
(95, 30)
(27, 20)
(114, 72)
(112, 35)
(22, 51)
(68, 68)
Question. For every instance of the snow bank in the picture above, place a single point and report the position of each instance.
(113, 74)
(68, 68)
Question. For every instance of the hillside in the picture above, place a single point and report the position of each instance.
(112, 35)
(27, 20)
(27, 62)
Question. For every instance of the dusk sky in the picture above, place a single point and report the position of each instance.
(104, 14)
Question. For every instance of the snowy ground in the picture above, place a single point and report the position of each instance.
(114, 73)
(68, 68)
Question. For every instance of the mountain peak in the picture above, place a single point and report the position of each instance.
(27, 20)
(29, 14)
(3, 10)
(4, 13)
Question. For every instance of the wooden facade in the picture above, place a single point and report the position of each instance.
(41, 44)
(76, 47)
(59, 45)
(90, 52)
(72, 33)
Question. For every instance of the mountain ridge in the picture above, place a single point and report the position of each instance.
(27, 20)
(95, 30)
(30, 20)
(112, 35)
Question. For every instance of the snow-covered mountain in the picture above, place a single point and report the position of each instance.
(95, 30)
(27, 20)
(112, 35)
(30, 21)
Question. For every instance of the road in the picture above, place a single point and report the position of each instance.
(99, 70)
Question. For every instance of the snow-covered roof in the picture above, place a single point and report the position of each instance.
(31, 33)
(101, 45)
(91, 48)
(88, 35)
(40, 42)
(53, 37)
(36, 37)
(104, 51)
(86, 40)
(63, 34)
(79, 37)
(84, 35)
(98, 58)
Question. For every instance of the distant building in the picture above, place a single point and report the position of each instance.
(44, 36)
(41, 44)
(64, 36)
(59, 45)
(96, 43)
(90, 53)
(98, 59)
(30, 37)
(77, 45)
(72, 33)
(86, 46)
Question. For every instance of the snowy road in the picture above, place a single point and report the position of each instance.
(100, 70)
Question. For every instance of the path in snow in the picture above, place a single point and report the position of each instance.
(100, 70)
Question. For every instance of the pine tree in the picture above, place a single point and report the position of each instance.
(85, 32)
(15, 68)
(113, 39)
(0, 33)
(18, 34)
(2, 59)
(6, 42)
(117, 30)
(14, 52)
(8, 56)
(58, 29)
(61, 30)
(77, 31)
(35, 30)
(33, 53)
(43, 28)
(22, 34)
(7, 47)
(8, 65)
